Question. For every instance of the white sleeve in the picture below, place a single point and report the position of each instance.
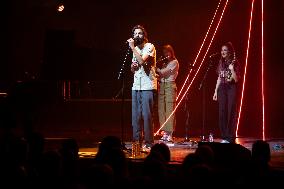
(150, 50)
(173, 65)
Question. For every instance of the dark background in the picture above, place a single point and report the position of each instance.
(86, 44)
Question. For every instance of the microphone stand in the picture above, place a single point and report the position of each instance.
(121, 76)
(203, 87)
(186, 109)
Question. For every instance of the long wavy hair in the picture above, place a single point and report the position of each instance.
(232, 57)
(143, 30)
(231, 49)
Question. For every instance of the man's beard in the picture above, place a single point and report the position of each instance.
(138, 41)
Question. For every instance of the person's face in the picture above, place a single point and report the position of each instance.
(225, 52)
(138, 36)
(138, 33)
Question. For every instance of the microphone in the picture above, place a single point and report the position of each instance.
(214, 54)
(135, 40)
(126, 42)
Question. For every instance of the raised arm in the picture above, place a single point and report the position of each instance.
(144, 59)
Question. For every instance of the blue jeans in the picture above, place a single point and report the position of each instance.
(142, 110)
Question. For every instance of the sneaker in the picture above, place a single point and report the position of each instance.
(147, 147)
(170, 139)
(224, 141)
(164, 137)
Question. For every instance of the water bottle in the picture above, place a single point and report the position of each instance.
(210, 138)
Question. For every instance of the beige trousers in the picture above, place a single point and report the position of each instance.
(167, 93)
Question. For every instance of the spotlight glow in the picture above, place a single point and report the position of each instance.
(60, 8)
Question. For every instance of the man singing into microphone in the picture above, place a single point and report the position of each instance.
(144, 85)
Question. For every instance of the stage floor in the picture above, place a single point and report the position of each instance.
(179, 149)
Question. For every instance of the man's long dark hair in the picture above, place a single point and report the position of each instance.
(144, 32)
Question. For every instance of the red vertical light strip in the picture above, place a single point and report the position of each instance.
(199, 49)
(196, 71)
(245, 71)
(262, 74)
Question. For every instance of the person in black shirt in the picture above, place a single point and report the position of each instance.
(226, 92)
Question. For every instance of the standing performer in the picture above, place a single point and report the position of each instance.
(144, 85)
(167, 92)
(226, 92)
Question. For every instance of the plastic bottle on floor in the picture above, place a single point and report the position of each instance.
(210, 138)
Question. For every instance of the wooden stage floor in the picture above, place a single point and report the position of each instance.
(179, 149)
